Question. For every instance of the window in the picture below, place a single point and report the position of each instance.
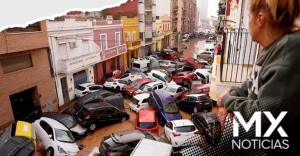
(204, 97)
(30, 28)
(205, 90)
(111, 111)
(160, 86)
(127, 35)
(158, 100)
(117, 36)
(136, 65)
(103, 39)
(170, 125)
(95, 88)
(64, 136)
(100, 112)
(185, 129)
(199, 91)
(141, 36)
(171, 108)
(80, 88)
(16, 63)
(133, 36)
(145, 100)
(44, 125)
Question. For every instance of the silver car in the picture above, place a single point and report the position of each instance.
(122, 143)
(206, 55)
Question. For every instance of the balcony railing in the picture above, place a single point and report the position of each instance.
(132, 44)
(237, 56)
(148, 40)
(148, 7)
(221, 11)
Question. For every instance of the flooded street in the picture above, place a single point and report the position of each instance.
(93, 140)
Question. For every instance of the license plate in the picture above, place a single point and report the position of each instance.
(207, 103)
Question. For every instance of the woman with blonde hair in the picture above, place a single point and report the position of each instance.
(274, 82)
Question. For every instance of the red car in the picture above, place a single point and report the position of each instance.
(201, 89)
(184, 77)
(129, 89)
(193, 62)
(146, 120)
(171, 56)
(116, 74)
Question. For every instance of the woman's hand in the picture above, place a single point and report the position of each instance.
(222, 114)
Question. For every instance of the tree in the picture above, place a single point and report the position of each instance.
(104, 13)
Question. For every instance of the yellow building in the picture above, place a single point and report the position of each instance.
(131, 38)
(159, 35)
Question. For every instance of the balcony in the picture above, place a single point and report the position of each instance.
(66, 66)
(175, 8)
(131, 45)
(141, 1)
(148, 41)
(221, 11)
(148, 7)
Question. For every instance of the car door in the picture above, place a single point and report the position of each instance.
(169, 130)
(46, 130)
(190, 103)
(176, 78)
(122, 83)
(100, 115)
(112, 114)
(179, 92)
(182, 103)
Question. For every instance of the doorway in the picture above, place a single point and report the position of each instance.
(24, 105)
(65, 90)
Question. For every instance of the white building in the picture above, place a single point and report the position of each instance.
(73, 54)
(239, 54)
(147, 25)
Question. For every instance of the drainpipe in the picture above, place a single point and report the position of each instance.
(52, 74)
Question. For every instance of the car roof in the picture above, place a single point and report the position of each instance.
(195, 95)
(54, 123)
(96, 105)
(153, 83)
(146, 115)
(164, 96)
(87, 84)
(128, 135)
(55, 115)
(182, 122)
(144, 80)
(142, 61)
(142, 96)
(174, 86)
(185, 72)
(203, 86)
(158, 73)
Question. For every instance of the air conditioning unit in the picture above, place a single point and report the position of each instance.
(73, 45)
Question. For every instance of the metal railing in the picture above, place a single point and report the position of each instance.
(237, 56)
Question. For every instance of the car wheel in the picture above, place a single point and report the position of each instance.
(195, 110)
(92, 126)
(161, 121)
(123, 119)
(50, 152)
(118, 89)
(185, 82)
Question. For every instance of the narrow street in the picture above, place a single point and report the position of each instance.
(93, 140)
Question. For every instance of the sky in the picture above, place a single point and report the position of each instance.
(163, 7)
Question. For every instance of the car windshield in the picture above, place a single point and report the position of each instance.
(185, 129)
(146, 125)
(145, 88)
(69, 122)
(167, 78)
(171, 90)
(203, 97)
(110, 80)
(135, 85)
(80, 88)
(171, 108)
(134, 100)
(111, 143)
(64, 136)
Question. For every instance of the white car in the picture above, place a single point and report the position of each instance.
(129, 77)
(114, 84)
(133, 59)
(178, 131)
(55, 137)
(158, 76)
(139, 102)
(167, 63)
(203, 74)
(85, 88)
(176, 91)
(206, 64)
(149, 87)
(185, 37)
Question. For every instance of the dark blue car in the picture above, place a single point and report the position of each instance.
(164, 106)
(195, 103)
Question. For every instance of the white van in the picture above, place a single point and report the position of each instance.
(155, 75)
(141, 66)
(150, 147)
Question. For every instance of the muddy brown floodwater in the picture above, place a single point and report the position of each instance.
(93, 140)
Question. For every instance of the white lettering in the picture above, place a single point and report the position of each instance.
(256, 117)
(237, 145)
(248, 143)
(275, 123)
(262, 144)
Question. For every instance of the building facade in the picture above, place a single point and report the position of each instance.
(131, 39)
(26, 79)
(167, 30)
(146, 12)
(108, 35)
(157, 46)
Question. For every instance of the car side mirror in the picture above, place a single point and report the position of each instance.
(50, 136)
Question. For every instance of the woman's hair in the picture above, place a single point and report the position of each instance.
(283, 15)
